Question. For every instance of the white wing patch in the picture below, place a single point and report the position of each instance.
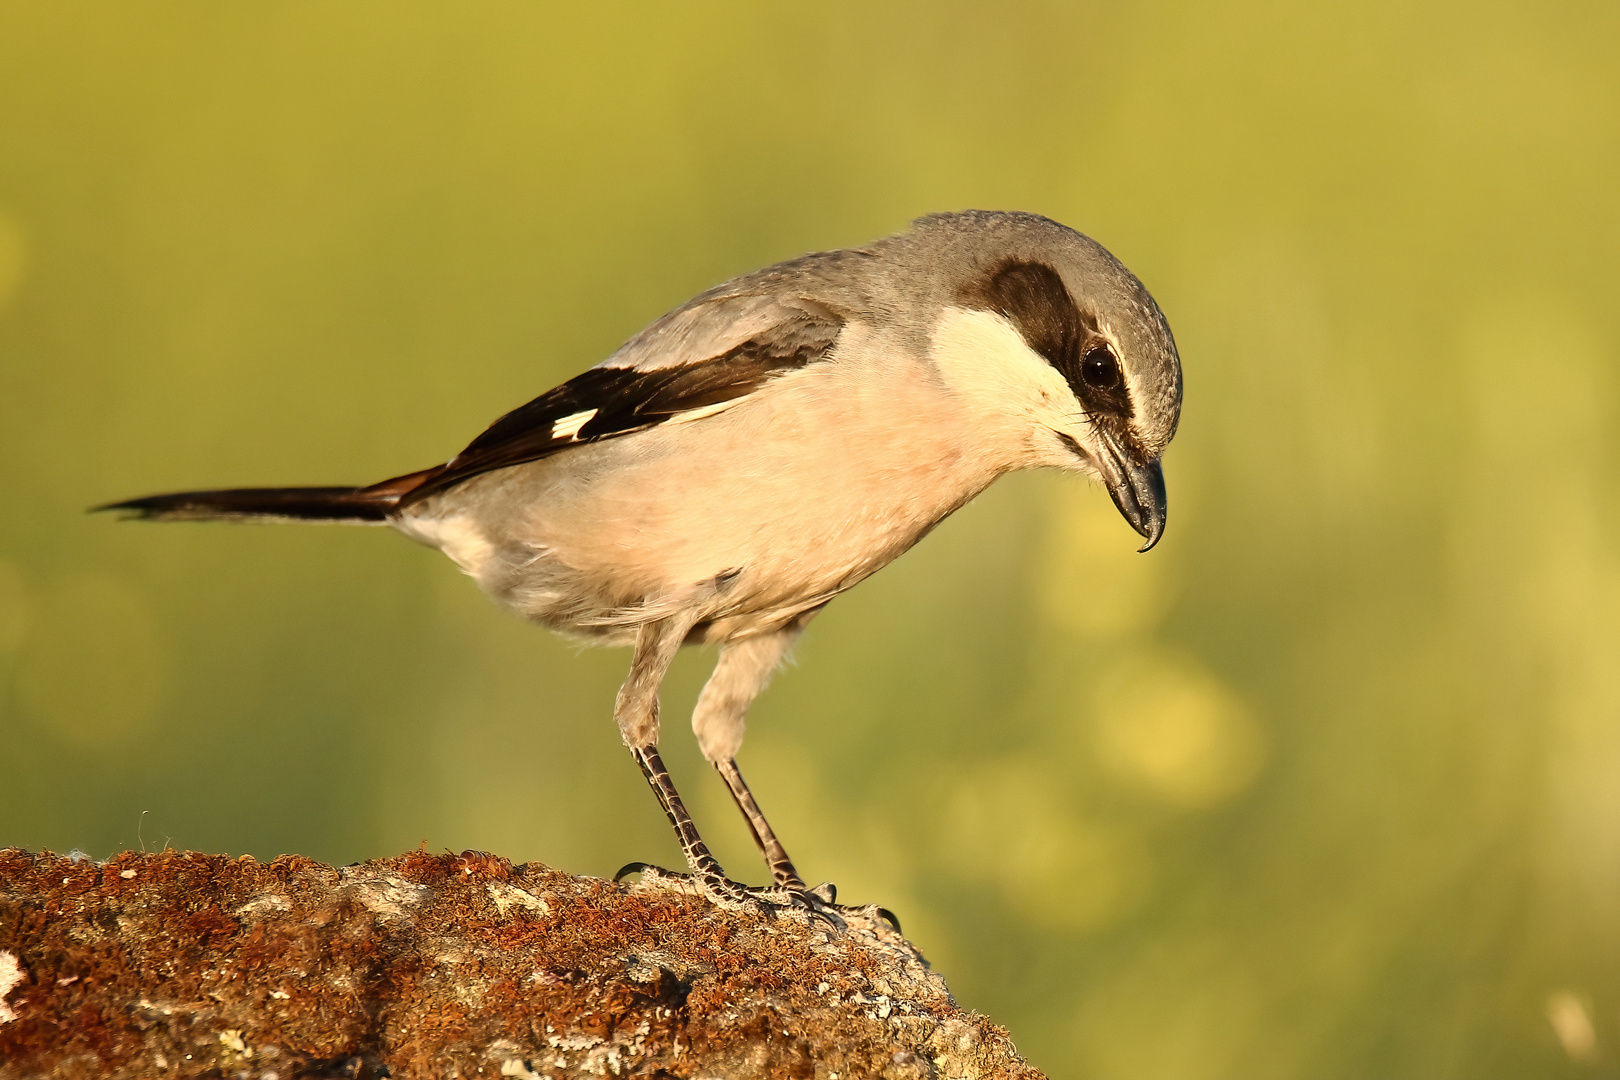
(706, 410)
(568, 427)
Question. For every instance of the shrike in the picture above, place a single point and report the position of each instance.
(771, 443)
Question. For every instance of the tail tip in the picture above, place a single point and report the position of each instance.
(335, 504)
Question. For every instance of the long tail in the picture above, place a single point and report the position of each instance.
(355, 505)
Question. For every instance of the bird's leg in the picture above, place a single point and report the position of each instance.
(705, 867)
(636, 710)
(776, 857)
(744, 669)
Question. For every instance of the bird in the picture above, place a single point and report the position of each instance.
(771, 443)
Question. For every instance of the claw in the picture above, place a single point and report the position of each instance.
(812, 904)
(819, 903)
(770, 899)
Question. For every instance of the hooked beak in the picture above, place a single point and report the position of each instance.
(1138, 489)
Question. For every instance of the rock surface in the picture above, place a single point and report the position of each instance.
(190, 965)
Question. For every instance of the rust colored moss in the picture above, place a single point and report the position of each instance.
(190, 965)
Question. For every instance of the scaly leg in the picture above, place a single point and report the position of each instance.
(705, 868)
(722, 709)
(636, 710)
(776, 857)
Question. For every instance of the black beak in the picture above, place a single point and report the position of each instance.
(1138, 490)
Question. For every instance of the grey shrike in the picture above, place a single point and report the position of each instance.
(772, 442)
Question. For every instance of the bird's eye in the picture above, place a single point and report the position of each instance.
(1099, 368)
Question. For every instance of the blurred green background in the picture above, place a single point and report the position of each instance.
(1367, 821)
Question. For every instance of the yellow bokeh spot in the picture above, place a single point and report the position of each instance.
(93, 668)
(1570, 1014)
(1092, 580)
(1166, 725)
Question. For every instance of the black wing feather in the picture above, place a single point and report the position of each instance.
(628, 399)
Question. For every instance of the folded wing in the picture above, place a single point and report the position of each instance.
(694, 362)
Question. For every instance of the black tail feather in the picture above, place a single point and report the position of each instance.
(289, 504)
(359, 505)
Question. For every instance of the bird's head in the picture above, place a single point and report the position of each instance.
(1049, 332)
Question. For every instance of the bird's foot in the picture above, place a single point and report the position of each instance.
(819, 903)
(728, 893)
